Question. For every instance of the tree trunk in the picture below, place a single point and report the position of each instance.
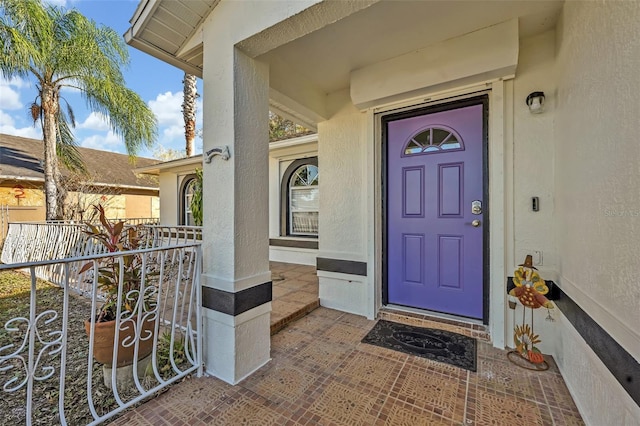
(49, 110)
(189, 112)
(61, 187)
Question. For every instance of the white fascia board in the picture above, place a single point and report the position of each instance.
(158, 53)
(156, 168)
(110, 185)
(482, 55)
(21, 178)
(141, 16)
(105, 185)
(302, 140)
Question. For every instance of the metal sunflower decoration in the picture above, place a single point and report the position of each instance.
(529, 291)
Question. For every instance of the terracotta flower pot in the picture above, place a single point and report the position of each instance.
(104, 338)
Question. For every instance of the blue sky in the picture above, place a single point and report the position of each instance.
(159, 85)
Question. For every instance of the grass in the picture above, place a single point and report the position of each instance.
(15, 292)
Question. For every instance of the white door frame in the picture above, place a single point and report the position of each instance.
(500, 169)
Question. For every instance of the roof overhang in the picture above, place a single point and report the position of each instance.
(171, 31)
(167, 165)
(13, 178)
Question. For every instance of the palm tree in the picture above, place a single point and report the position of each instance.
(190, 94)
(64, 49)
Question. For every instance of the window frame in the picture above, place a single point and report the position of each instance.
(184, 208)
(285, 199)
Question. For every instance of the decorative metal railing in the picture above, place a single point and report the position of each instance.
(49, 338)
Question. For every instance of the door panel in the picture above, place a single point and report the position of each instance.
(434, 173)
(450, 190)
(450, 258)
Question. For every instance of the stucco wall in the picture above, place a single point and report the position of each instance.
(341, 159)
(343, 218)
(141, 206)
(533, 140)
(116, 205)
(533, 174)
(597, 197)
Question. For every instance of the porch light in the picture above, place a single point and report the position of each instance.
(535, 102)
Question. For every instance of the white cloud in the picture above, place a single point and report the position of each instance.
(173, 132)
(167, 108)
(108, 142)
(95, 121)
(8, 126)
(25, 132)
(10, 93)
(6, 119)
(14, 81)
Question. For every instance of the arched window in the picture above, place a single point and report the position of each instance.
(300, 198)
(433, 140)
(186, 194)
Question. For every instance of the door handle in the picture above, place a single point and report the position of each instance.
(475, 223)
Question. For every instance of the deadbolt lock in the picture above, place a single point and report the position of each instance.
(476, 207)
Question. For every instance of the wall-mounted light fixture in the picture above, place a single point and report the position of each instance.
(535, 102)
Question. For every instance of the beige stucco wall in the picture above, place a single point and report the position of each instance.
(168, 183)
(343, 215)
(533, 146)
(142, 206)
(598, 202)
(116, 205)
(533, 174)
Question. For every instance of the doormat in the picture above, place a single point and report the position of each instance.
(437, 345)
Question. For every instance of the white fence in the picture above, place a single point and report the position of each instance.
(34, 242)
(48, 373)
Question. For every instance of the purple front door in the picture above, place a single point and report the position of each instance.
(434, 211)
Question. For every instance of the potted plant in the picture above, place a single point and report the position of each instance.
(120, 279)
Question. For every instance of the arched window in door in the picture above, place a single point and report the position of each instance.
(186, 194)
(432, 140)
(300, 198)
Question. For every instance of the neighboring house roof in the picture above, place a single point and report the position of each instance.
(20, 159)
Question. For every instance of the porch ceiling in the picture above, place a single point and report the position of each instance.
(325, 58)
(305, 70)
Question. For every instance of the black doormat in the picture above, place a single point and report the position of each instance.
(437, 345)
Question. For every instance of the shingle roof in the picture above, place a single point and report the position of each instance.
(20, 158)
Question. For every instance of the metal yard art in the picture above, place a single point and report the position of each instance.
(530, 291)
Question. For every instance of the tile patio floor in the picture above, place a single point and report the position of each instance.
(321, 374)
(295, 293)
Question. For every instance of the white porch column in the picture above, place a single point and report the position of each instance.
(236, 279)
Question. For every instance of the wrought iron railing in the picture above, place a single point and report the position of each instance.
(49, 371)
